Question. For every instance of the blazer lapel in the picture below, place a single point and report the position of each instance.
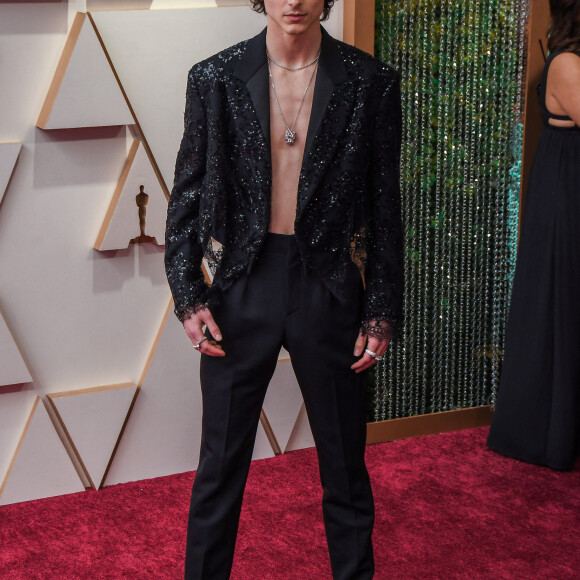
(331, 73)
(253, 70)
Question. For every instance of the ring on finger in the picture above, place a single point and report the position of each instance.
(373, 354)
(197, 345)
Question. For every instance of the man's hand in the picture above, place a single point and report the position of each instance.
(194, 329)
(379, 347)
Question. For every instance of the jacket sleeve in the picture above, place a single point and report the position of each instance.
(183, 249)
(384, 271)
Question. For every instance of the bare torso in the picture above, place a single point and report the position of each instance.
(287, 159)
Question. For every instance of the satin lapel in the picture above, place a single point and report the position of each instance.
(323, 89)
(253, 70)
(259, 89)
(331, 73)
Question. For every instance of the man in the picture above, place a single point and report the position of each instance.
(290, 160)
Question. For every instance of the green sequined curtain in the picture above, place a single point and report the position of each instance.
(462, 70)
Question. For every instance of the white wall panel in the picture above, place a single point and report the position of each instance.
(283, 402)
(32, 36)
(13, 369)
(15, 407)
(163, 432)
(84, 91)
(93, 419)
(42, 467)
(122, 222)
(8, 156)
(83, 318)
(301, 434)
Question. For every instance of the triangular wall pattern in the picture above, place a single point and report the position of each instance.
(84, 91)
(13, 369)
(301, 434)
(122, 223)
(15, 407)
(163, 432)
(93, 419)
(41, 466)
(8, 156)
(283, 402)
(152, 52)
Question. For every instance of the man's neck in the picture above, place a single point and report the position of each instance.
(293, 50)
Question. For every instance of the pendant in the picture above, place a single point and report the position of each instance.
(290, 136)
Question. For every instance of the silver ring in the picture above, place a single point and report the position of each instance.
(197, 346)
(373, 354)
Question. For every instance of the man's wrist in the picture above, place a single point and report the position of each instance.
(379, 329)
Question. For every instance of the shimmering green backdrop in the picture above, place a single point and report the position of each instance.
(461, 63)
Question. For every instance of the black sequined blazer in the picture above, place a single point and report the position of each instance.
(348, 205)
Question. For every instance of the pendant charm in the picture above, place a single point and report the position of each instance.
(290, 136)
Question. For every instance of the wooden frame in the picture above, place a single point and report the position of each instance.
(431, 424)
(537, 32)
(359, 24)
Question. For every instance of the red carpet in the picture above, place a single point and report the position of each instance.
(446, 508)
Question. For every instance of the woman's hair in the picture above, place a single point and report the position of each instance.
(258, 6)
(564, 33)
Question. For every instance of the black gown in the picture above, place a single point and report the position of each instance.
(537, 415)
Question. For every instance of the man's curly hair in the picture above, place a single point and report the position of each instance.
(258, 6)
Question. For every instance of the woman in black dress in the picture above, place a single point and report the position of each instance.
(537, 416)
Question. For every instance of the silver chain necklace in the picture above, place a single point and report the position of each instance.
(290, 134)
(290, 68)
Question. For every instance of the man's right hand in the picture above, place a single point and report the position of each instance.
(194, 329)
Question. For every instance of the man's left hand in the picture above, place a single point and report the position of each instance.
(366, 343)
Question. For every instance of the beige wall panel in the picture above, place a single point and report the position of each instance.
(163, 432)
(82, 318)
(93, 5)
(173, 4)
(41, 466)
(8, 156)
(93, 419)
(84, 92)
(15, 407)
(121, 223)
(13, 369)
(262, 448)
(283, 402)
(152, 52)
(301, 434)
(32, 36)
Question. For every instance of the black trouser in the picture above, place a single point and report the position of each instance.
(278, 304)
